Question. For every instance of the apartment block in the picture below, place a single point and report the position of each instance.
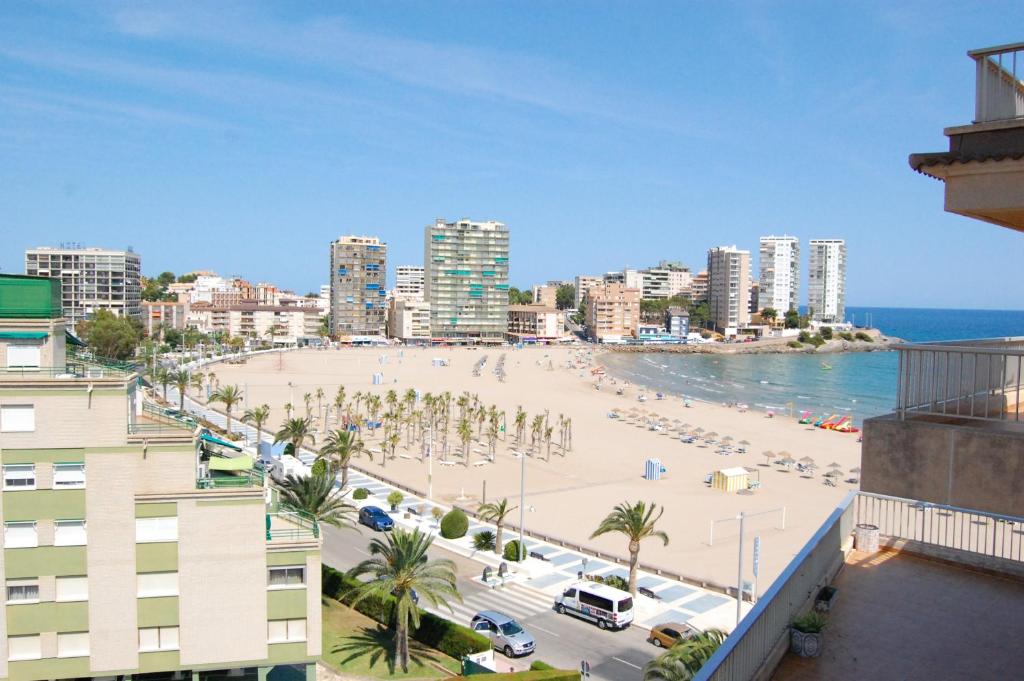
(677, 322)
(826, 286)
(409, 282)
(409, 320)
(613, 313)
(667, 280)
(135, 544)
(91, 279)
(699, 287)
(358, 293)
(535, 324)
(779, 281)
(729, 287)
(545, 294)
(584, 283)
(629, 278)
(160, 315)
(466, 280)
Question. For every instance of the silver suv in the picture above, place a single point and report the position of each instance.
(505, 633)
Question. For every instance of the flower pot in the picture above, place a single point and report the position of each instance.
(805, 644)
(825, 598)
(394, 507)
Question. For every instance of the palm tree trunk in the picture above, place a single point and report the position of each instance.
(634, 558)
(344, 477)
(497, 538)
(401, 644)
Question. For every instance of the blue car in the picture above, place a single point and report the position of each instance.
(375, 518)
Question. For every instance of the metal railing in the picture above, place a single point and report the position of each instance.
(92, 359)
(977, 379)
(250, 478)
(299, 525)
(999, 90)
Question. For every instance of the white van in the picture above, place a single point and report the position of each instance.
(611, 608)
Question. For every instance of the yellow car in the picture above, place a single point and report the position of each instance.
(668, 634)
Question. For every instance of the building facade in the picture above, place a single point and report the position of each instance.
(826, 281)
(409, 282)
(584, 283)
(699, 287)
(535, 324)
(409, 320)
(125, 551)
(677, 322)
(466, 280)
(358, 293)
(91, 279)
(729, 287)
(779, 281)
(160, 315)
(545, 294)
(613, 313)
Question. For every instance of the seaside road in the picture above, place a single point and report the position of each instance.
(562, 641)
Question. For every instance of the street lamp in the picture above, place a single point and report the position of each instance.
(522, 504)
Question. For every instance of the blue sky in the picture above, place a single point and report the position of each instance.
(245, 137)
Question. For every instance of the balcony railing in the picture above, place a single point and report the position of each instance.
(999, 90)
(289, 524)
(978, 379)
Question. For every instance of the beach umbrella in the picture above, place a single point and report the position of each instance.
(806, 459)
(785, 454)
(834, 465)
(855, 469)
(685, 425)
(834, 473)
(744, 443)
(712, 434)
(698, 430)
(727, 438)
(768, 455)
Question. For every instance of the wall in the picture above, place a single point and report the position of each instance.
(70, 415)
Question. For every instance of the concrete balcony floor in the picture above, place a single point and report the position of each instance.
(898, 616)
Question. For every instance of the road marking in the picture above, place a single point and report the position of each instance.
(630, 664)
(534, 626)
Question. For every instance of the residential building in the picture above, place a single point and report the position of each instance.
(358, 292)
(584, 283)
(546, 295)
(779, 283)
(535, 324)
(160, 315)
(826, 287)
(409, 282)
(699, 287)
(466, 280)
(630, 278)
(135, 544)
(667, 280)
(285, 325)
(754, 298)
(92, 279)
(677, 322)
(409, 320)
(613, 313)
(729, 287)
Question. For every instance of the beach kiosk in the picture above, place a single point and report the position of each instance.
(730, 479)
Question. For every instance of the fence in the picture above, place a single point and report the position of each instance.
(999, 91)
(291, 524)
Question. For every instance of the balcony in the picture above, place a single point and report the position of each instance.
(286, 525)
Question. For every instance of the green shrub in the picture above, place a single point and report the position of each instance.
(846, 335)
(826, 332)
(319, 467)
(360, 493)
(817, 341)
(539, 665)
(437, 513)
(810, 623)
(804, 337)
(795, 344)
(861, 336)
(289, 449)
(395, 498)
(617, 582)
(484, 540)
(511, 550)
(454, 524)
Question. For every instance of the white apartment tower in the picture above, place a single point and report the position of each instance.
(826, 289)
(409, 282)
(729, 287)
(358, 294)
(780, 273)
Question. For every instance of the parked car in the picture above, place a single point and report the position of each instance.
(670, 633)
(608, 607)
(375, 518)
(505, 633)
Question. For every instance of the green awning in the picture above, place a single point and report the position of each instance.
(72, 339)
(206, 437)
(36, 335)
(236, 463)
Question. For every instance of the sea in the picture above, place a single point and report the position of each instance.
(857, 384)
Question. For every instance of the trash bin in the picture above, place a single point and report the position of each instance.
(865, 538)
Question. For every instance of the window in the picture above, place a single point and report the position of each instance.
(17, 418)
(23, 356)
(284, 577)
(19, 476)
(158, 638)
(69, 475)
(69, 533)
(73, 645)
(595, 601)
(24, 647)
(279, 631)
(156, 529)
(20, 535)
(22, 591)
(72, 588)
(152, 584)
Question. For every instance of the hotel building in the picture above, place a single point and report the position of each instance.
(613, 313)
(358, 293)
(135, 544)
(466, 280)
(409, 282)
(779, 283)
(826, 287)
(409, 320)
(91, 279)
(535, 324)
(729, 287)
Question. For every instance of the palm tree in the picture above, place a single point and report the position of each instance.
(568, 431)
(308, 400)
(391, 442)
(319, 394)
(181, 379)
(496, 512)
(339, 402)
(492, 437)
(465, 431)
(315, 494)
(230, 395)
(339, 447)
(295, 431)
(288, 408)
(481, 419)
(399, 566)
(162, 375)
(536, 428)
(257, 416)
(197, 381)
(636, 521)
(682, 661)
(373, 408)
(520, 425)
(548, 432)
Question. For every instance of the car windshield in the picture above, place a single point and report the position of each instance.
(375, 511)
(625, 604)
(511, 628)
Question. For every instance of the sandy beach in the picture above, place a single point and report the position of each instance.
(568, 494)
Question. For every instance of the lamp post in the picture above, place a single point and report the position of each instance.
(739, 578)
(430, 462)
(522, 504)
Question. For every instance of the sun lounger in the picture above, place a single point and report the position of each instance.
(447, 463)
(480, 463)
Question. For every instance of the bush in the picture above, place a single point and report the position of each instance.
(826, 332)
(289, 449)
(395, 498)
(454, 524)
(861, 336)
(360, 493)
(511, 550)
(817, 341)
(795, 344)
(804, 337)
(319, 467)
(846, 335)
(484, 540)
(539, 665)
(810, 623)
(437, 513)
(617, 582)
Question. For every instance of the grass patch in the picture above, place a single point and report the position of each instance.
(356, 645)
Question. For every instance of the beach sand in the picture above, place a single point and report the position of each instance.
(569, 494)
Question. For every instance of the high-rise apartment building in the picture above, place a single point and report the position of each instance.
(729, 287)
(409, 282)
(583, 284)
(826, 281)
(779, 283)
(91, 279)
(358, 293)
(613, 313)
(699, 287)
(466, 280)
(628, 277)
(135, 543)
(545, 294)
(667, 280)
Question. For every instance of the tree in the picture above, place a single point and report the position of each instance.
(257, 416)
(187, 278)
(636, 522)
(172, 336)
(517, 297)
(295, 432)
(181, 380)
(229, 395)
(580, 317)
(520, 425)
(700, 314)
(465, 432)
(197, 381)
(400, 567)
(565, 296)
(496, 512)
(769, 314)
(109, 335)
(791, 320)
(682, 661)
(162, 375)
(315, 494)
